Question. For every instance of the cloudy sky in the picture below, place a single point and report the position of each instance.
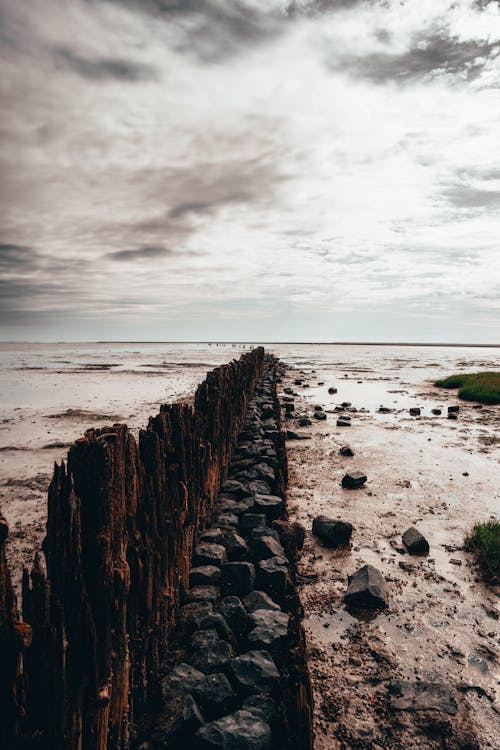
(250, 169)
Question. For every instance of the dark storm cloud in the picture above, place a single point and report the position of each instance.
(104, 68)
(15, 256)
(435, 54)
(140, 253)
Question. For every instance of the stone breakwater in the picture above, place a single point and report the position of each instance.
(236, 675)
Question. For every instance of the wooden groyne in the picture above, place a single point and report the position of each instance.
(101, 601)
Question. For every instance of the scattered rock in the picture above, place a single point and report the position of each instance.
(452, 415)
(346, 450)
(453, 409)
(343, 422)
(332, 533)
(321, 415)
(415, 542)
(415, 411)
(367, 589)
(292, 536)
(436, 412)
(332, 390)
(353, 479)
(304, 422)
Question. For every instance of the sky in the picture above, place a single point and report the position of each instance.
(318, 170)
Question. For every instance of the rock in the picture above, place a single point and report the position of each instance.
(182, 679)
(437, 412)
(453, 409)
(236, 489)
(297, 382)
(241, 730)
(318, 408)
(346, 404)
(271, 505)
(274, 575)
(415, 411)
(254, 672)
(452, 415)
(343, 422)
(332, 390)
(187, 721)
(261, 705)
(288, 390)
(194, 614)
(259, 487)
(332, 533)
(215, 694)
(422, 696)
(270, 628)
(250, 521)
(235, 614)
(204, 575)
(385, 410)
(235, 546)
(304, 422)
(217, 621)
(238, 578)
(227, 520)
(206, 553)
(353, 479)
(264, 545)
(210, 657)
(291, 535)
(291, 435)
(415, 542)
(366, 589)
(204, 638)
(321, 415)
(259, 600)
(203, 594)
(346, 450)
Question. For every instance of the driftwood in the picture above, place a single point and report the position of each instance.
(101, 598)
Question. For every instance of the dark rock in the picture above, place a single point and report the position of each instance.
(204, 638)
(415, 542)
(259, 487)
(415, 411)
(318, 408)
(346, 450)
(235, 614)
(215, 694)
(250, 521)
(452, 415)
(238, 578)
(204, 575)
(331, 532)
(227, 520)
(271, 505)
(227, 505)
(291, 435)
(385, 410)
(304, 422)
(270, 628)
(354, 479)
(236, 489)
(422, 696)
(206, 553)
(437, 412)
(274, 575)
(453, 409)
(262, 705)
(182, 679)
(288, 390)
(321, 415)
(188, 719)
(236, 546)
(254, 672)
(366, 589)
(241, 730)
(194, 614)
(332, 390)
(259, 600)
(297, 382)
(263, 545)
(216, 621)
(292, 536)
(211, 657)
(267, 411)
(343, 422)
(203, 594)
(346, 404)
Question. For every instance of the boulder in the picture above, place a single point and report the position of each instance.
(215, 694)
(238, 578)
(236, 489)
(207, 553)
(182, 679)
(187, 721)
(332, 390)
(346, 450)
(292, 536)
(262, 705)
(263, 546)
(304, 422)
(353, 479)
(318, 408)
(415, 542)
(321, 415)
(332, 533)
(226, 520)
(453, 409)
(204, 575)
(271, 505)
(235, 546)
(274, 575)
(250, 521)
(269, 630)
(260, 487)
(452, 415)
(210, 657)
(437, 412)
(254, 672)
(342, 422)
(203, 594)
(415, 411)
(259, 600)
(346, 404)
(204, 638)
(366, 589)
(234, 613)
(241, 730)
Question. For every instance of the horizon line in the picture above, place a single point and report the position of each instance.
(256, 342)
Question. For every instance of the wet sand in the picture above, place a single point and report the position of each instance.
(442, 622)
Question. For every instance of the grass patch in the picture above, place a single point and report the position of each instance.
(483, 387)
(484, 541)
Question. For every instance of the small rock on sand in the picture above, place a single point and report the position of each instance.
(366, 589)
(346, 450)
(353, 479)
(332, 533)
(415, 542)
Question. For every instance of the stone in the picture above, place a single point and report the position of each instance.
(236, 547)
(241, 730)
(346, 404)
(236, 489)
(366, 589)
(452, 415)
(320, 415)
(238, 578)
(263, 546)
(203, 594)
(297, 382)
(342, 422)
(274, 575)
(291, 535)
(332, 390)
(453, 409)
(271, 505)
(260, 487)
(228, 505)
(437, 412)
(291, 435)
(235, 614)
(252, 521)
(195, 613)
(415, 542)
(262, 705)
(204, 638)
(254, 672)
(211, 657)
(304, 422)
(415, 411)
(346, 450)
(188, 719)
(207, 553)
(216, 621)
(353, 479)
(182, 679)
(259, 600)
(422, 696)
(318, 408)
(332, 533)
(215, 694)
(227, 520)
(270, 628)
(204, 575)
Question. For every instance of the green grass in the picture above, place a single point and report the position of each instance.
(484, 541)
(475, 386)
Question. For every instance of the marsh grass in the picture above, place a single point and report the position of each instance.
(484, 541)
(483, 387)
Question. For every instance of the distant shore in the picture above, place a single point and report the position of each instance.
(273, 343)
